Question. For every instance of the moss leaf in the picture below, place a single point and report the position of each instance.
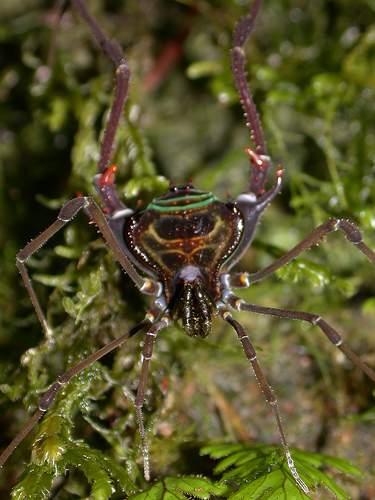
(180, 488)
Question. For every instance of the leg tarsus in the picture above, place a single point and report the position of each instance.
(139, 401)
(144, 442)
(110, 47)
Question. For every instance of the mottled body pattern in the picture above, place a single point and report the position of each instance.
(184, 239)
(177, 231)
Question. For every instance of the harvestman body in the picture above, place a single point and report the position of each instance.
(181, 248)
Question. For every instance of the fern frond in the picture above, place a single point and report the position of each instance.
(181, 488)
(261, 472)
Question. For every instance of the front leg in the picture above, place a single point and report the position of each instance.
(259, 159)
(114, 52)
(67, 214)
(104, 180)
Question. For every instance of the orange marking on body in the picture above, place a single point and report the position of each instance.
(255, 159)
(108, 176)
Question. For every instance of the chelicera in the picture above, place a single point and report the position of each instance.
(181, 248)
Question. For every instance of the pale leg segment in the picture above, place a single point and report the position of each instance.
(147, 350)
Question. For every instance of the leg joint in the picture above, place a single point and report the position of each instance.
(61, 380)
(226, 315)
(352, 233)
(20, 259)
(315, 320)
(123, 69)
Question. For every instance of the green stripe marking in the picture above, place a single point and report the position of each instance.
(167, 205)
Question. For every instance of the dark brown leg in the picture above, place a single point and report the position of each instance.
(66, 214)
(259, 159)
(268, 393)
(49, 396)
(139, 401)
(351, 231)
(104, 181)
(113, 50)
(314, 319)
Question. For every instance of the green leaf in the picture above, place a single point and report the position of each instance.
(367, 416)
(180, 488)
(358, 62)
(340, 464)
(58, 114)
(220, 450)
(303, 269)
(36, 485)
(263, 487)
(146, 184)
(236, 458)
(90, 287)
(99, 469)
(61, 281)
(91, 464)
(202, 69)
(261, 472)
(368, 307)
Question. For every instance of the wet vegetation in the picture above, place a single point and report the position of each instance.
(311, 69)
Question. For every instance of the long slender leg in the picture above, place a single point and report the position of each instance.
(139, 401)
(49, 396)
(267, 391)
(333, 336)
(66, 214)
(259, 159)
(351, 231)
(112, 49)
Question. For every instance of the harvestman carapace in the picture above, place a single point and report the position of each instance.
(181, 247)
